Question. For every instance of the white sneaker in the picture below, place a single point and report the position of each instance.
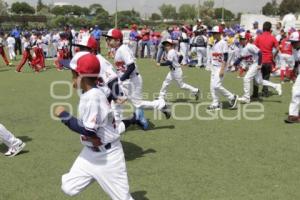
(279, 89)
(15, 149)
(244, 100)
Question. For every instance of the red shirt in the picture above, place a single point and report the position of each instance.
(286, 47)
(145, 34)
(266, 42)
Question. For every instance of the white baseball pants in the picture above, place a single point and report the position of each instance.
(184, 52)
(295, 102)
(201, 55)
(107, 167)
(216, 87)
(133, 90)
(254, 73)
(175, 75)
(11, 52)
(7, 137)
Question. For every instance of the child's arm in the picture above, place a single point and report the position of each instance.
(72, 122)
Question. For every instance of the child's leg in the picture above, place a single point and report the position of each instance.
(8, 138)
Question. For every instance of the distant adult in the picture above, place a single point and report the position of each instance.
(165, 35)
(96, 33)
(266, 42)
(145, 35)
(198, 25)
(254, 29)
(16, 33)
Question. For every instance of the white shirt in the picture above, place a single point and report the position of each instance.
(10, 41)
(95, 114)
(123, 58)
(63, 44)
(107, 71)
(249, 54)
(217, 52)
(126, 35)
(172, 56)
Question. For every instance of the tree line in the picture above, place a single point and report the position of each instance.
(96, 14)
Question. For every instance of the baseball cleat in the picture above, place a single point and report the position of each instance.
(213, 108)
(197, 94)
(292, 119)
(279, 89)
(233, 102)
(15, 150)
(244, 100)
(166, 111)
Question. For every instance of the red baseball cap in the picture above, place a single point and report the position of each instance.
(85, 63)
(89, 42)
(115, 34)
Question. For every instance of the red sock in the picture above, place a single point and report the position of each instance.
(282, 72)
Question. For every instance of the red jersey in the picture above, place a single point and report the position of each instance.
(286, 47)
(145, 34)
(266, 42)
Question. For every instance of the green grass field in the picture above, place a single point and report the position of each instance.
(176, 160)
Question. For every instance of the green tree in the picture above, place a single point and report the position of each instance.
(3, 7)
(40, 5)
(96, 9)
(289, 6)
(187, 11)
(168, 11)
(228, 15)
(22, 8)
(128, 17)
(271, 8)
(209, 4)
(70, 10)
(155, 16)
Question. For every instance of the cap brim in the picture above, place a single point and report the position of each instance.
(166, 42)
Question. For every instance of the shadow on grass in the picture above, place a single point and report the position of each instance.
(133, 151)
(151, 127)
(139, 195)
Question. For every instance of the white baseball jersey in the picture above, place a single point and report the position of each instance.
(249, 54)
(217, 52)
(62, 44)
(172, 56)
(10, 41)
(96, 115)
(107, 71)
(123, 58)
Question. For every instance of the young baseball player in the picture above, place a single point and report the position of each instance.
(62, 51)
(11, 41)
(102, 157)
(14, 144)
(172, 61)
(38, 60)
(184, 44)
(109, 81)
(219, 53)
(286, 59)
(295, 102)
(250, 58)
(2, 51)
(26, 56)
(129, 76)
(199, 45)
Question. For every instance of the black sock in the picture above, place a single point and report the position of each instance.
(128, 122)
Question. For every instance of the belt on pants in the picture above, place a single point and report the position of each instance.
(97, 149)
